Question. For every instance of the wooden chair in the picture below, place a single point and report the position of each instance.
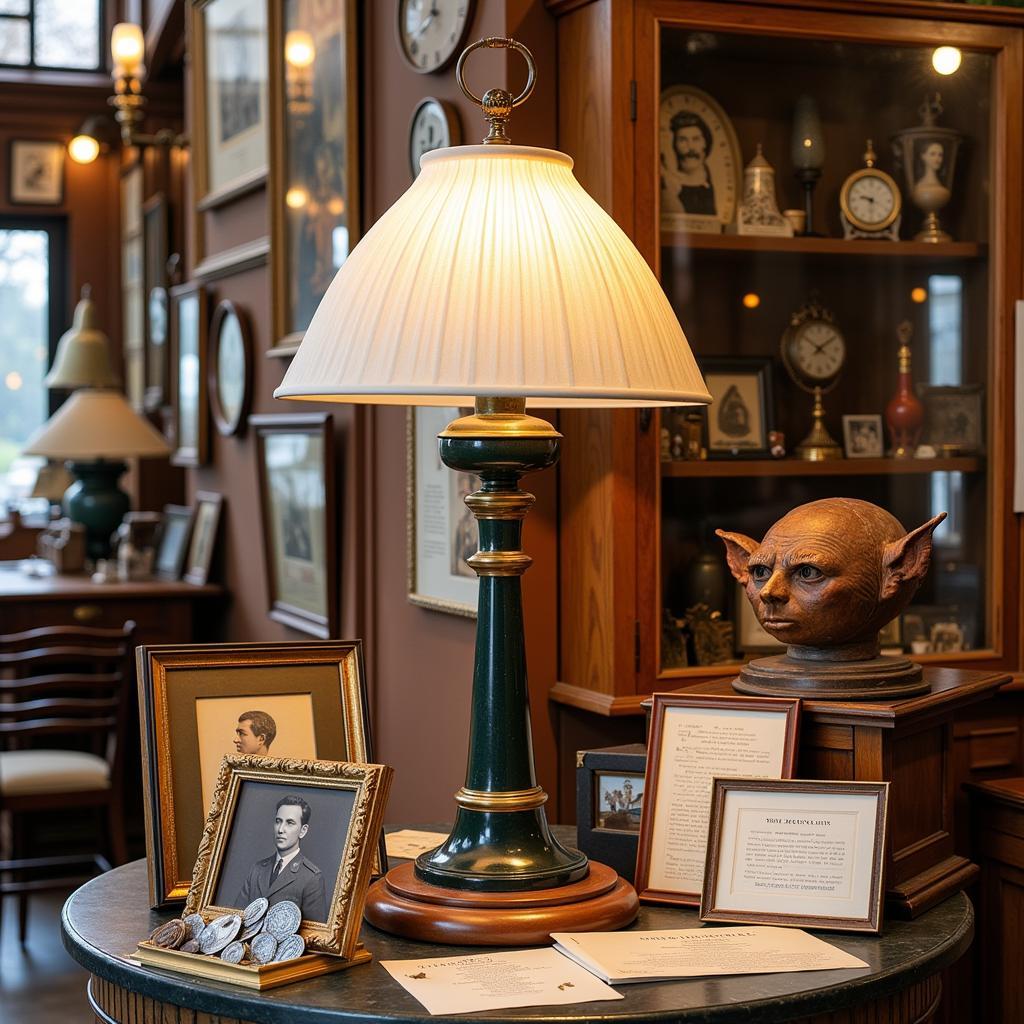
(71, 682)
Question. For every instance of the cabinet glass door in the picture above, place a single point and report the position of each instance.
(827, 228)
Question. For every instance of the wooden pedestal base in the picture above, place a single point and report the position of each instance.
(402, 904)
(881, 678)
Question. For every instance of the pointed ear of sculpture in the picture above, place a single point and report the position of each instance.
(738, 549)
(905, 561)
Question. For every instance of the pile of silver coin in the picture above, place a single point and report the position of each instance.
(261, 934)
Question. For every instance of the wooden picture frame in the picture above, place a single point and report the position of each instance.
(314, 157)
(248, 786)
(438, 578)
(189, 319)
(189, 697)
(230, 117)
(805, 816)
(298, 509)
(735, 430)
(173, 542)
(863, 436)
(954, 418)
(230, 367)
(202, 546)
(155, 280)
(35, 172)
(677, 781)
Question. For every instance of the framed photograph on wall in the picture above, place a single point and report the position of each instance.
(205, 522)
(442, 532)
(799, 853)
(314, 163)
(694, 739)
(338, 809)
(740, 416)
(200, 702)
(156, 241)
(295, 466)
(230, 373)
(188, 354)
(231, 109)
(133, 298)
(35, 172)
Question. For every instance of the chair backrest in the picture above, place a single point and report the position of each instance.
(78, 684)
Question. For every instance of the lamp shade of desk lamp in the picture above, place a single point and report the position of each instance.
(495, 280)
(94, 430)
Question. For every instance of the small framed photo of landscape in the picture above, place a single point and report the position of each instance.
(35, 172)
(329, 813)
(797, 853)
(442, 532)
(188, 357)
(739, 418)
(693, 740)
(173, 542)
(863, 437)
(295, 468)
(954, 418)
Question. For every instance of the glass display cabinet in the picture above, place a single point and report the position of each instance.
(833, 206)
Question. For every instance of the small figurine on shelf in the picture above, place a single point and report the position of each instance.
(673, 642)
(712, 635)
(928, 154)
(759, 210)
(666, 445)
(693, 436)
(904, 414)
(777, 444)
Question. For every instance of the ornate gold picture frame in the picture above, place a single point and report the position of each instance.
(347, 804)
(193, 698)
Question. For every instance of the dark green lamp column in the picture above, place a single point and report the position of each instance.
(95, 501)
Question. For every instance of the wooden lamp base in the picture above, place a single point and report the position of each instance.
(402, 904)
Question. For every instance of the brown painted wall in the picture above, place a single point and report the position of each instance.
(419, 662)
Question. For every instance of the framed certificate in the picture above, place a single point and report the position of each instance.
(693, 740)
(798, 853)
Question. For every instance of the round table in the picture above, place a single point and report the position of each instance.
(104, 919)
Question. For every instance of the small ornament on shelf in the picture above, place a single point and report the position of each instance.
(759, 210)
(808, 154)
(904, 414)
(928, 155)
(870, 202)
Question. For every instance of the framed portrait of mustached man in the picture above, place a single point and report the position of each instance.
(201, 702)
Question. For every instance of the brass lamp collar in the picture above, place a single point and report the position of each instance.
(497, 104)
(496, 416)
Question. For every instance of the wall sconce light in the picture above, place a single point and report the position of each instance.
(299, 54)
(96, 136)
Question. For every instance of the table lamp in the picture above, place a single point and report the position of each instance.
(94, 430)
(496, 281)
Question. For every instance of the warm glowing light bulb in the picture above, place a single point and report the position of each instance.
(127, 48)
(13, 380)
(751, 300)
(946, 59)
(918, 294)
(296, 198)
(83, 149)
(808, 143)
(299, 50)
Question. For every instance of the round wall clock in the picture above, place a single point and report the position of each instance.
(870, 202)
(434, 125)
(430, 32)
(230, 367)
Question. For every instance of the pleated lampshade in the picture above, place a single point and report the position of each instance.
(495, 274)
(96, 423)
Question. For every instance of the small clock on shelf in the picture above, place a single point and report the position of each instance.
(870, 202)
(434, 125)
(431, 32)
(814, 353)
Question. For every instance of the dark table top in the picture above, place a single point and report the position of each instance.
(103, 921)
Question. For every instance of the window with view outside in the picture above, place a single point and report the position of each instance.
(55, 34)
(24, 350)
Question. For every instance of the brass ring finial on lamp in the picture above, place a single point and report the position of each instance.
(497, 104)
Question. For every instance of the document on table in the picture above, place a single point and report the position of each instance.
(409, 842)
(622, 957)
(493, 981)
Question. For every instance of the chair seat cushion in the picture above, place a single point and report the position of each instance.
(27, 772)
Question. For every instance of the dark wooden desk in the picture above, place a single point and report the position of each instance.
(163, 612)
(103, 921)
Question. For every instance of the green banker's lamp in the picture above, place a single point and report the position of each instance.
(495, 280)
(93, 430)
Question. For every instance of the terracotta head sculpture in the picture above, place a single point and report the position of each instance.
(830, 574)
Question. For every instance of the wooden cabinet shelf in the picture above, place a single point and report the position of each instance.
(824, 246)
(836, 467)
